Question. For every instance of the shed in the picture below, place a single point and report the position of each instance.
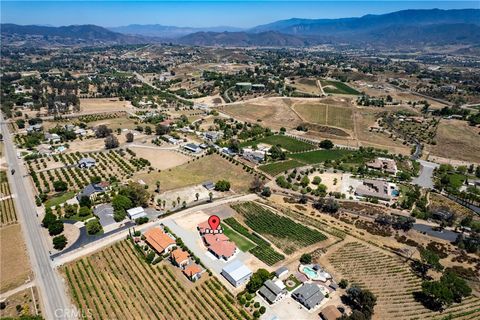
(135, 213)
(236, 273)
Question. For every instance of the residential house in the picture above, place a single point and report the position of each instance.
(85, 163)
(52, 137)
(272, 292)
(35, 128)
(219, 245)
(255, 156)
(192, 147)
(382, 190)
(159, 240)
(93, 190)
(193, 272)
(135, 213)
(213, 136)
(179, 257)
(236, 273)
(383, 164)
(309, 295)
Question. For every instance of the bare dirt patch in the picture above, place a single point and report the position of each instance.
(160, 159)
(102, 105)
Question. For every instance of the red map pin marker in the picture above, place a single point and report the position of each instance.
(214, 222)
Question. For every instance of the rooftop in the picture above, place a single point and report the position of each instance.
(158, 239)
(237, 270)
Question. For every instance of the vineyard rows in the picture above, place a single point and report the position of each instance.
(393, 283)
(8, 214)
(116, 283)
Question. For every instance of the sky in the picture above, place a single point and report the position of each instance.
(198, 13)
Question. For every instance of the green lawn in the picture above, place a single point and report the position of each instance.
(242, 243)
(278, 167)
(285, 142)
(59, 199)
(338, 87)
(320, 155)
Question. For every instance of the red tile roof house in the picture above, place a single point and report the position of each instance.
(193, 272)
(218, 244)
(180, 258)
(159, 240)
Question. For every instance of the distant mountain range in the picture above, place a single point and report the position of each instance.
(407, 27)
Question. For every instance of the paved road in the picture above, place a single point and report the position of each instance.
(425, 179)
(56, 304)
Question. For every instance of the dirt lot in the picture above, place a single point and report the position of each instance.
(25, 300)
(457, 140)
(160, 159)
(14, 263)
(307, 85)
(209, 168)
(328, 179)
(102, 105)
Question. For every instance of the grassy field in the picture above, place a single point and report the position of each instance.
(337, 87)
(59, 199)
(278, 167)
(320, 155)
(281, 231)
(241, 242)
(326, 115)
(392, 282)
(285, 142)
(209, 168)
(116, 283)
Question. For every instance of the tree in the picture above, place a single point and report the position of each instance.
(222, 185)
(59, 242)
(49, 218)
(158, 186)
(161, 129)
(343, 283)
(430, 259)
(331, 205)
(257, 280)
(257, 184)
(111, 142)
(56, 227)
(95, 179)
(305, 181)
(121, 203)
(317, 180)
(277, 153)
(210, 196)
(102, 131)
(450, 288)
(93, 226)
(84, 211)
(306, 258)
(136, 193)
(326, 144)
(197, 195)
(85, 202)
(60, 185)
(361, 300)
(266, 192)
(129, 137)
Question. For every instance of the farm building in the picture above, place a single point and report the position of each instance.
(330, 313)
(86, 163)
(309, 295)
(193, 272)
(92, 190)
(236, 273)
(213, 136)
(272, 292)
(243, 85)
(192, 147)
(135, 213)
(179, 257)
(159, 240)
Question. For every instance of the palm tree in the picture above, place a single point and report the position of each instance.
(210, 195)
(164, 202)
(197, 195)
(178, 199)
(158, 186)
(174, 204)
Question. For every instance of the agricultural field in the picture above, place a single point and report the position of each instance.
(116, 283)
(325, 114)
(262, 249)
(283, 232)
(337, 87)
(207, 168)
(307, 85)
(318, 156)
(7, 208)
(456, 140)
(242, 243)
(392, 282)
(285, 142)
(103, 105)
(278, 167)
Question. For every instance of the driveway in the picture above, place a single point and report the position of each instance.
(425, 179)
(105, 213)
(445, 234)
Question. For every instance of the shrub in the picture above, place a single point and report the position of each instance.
(326, 144)
(59, 242)
(60, 185)
(262, 310)
(49, 218)
(306, 258)
(343, 283)
(56, 227)
(93, 226)
(84, 212)
(222, 185)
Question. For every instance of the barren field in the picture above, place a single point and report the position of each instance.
(307, 85)
(273, 112)
(208, 168)
(102, 105)
(391, 280)
(160, 159)
(24, 299)
(457, 140)
(14, 263)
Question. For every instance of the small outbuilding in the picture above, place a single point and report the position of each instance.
(135, 213)
(236, 273)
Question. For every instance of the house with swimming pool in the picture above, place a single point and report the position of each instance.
(378, 189)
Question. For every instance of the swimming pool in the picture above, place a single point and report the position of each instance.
(312, 274)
